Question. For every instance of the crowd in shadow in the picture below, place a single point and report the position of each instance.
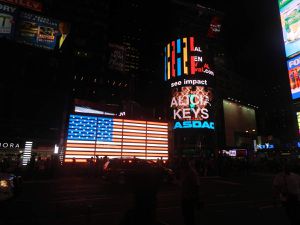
(187, 171)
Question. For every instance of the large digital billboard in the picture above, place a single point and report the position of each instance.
(37, 30)
(191, 79)
(298, 120)
(191, 107)
(294, 76)
(239, 119)
(29, 4)
(7, 20)
(290, 21)
(91, 136)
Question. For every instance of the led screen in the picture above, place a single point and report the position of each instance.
(29, 4)
(238, 120)
(37, 30)
(298, 120)
(294, 76)
(191, 78)
(214, 27)
(7, 20)
(185, 57)
(290, 21)
(191, 107)
(91, 136)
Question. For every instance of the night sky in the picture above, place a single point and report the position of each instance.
(253, 36)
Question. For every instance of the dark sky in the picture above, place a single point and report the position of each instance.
(253, 36)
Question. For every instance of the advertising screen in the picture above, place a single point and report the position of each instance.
(298, 120)
(7, 20)
(238, 120)
(290, 21)
(29, 4)
(214, 27)
(37, 30)
(191, 106)
(191, 79)
(185, 58)
(294, 76)
(91, 136)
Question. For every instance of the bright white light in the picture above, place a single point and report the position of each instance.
(55, 149)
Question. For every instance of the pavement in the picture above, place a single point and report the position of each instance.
(89, 200)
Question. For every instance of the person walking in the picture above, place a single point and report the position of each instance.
(190, 200)
(286, 187)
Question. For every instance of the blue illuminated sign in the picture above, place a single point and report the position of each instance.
(194, 124)
(265, 146)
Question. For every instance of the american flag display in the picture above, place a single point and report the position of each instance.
(91, 136)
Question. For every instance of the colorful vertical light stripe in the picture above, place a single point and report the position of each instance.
(178, 46)
(173, 58)
(185, 56)
(168, 56)
(166, 60)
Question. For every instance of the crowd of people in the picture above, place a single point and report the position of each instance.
(286, 183)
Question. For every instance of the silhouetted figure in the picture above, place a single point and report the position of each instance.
(90, 166)
(145, 186)
(286, 186)
(190, 200)
(32, 165)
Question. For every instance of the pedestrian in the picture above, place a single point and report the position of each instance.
(286, 187)
(190, 199)
(145, 189)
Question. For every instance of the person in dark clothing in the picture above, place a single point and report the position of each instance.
(146, 186)
(286, 186)
(63, 43)
(190, 200)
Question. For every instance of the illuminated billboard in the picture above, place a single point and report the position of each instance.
(29, 4)
(7, 20)
(184, 58)
(239, 120)
(37, 30)
(191, 79)
(290, 21)
(191, 107)
(214, 27)
(91, 136)
(294, 76)
(298, 120)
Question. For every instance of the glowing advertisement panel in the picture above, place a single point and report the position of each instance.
(8, 16)
(192, 107)
(290, 21)
(294, 76)
(190, 77)
(29, 4)
(237, 119)
(298, 120)
(91, 136)
(37, 30)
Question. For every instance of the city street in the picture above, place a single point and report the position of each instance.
(83, 200)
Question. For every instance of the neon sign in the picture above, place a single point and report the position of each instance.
(265, 146)
(194, 124)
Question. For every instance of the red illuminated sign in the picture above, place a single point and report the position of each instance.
(29, 4)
